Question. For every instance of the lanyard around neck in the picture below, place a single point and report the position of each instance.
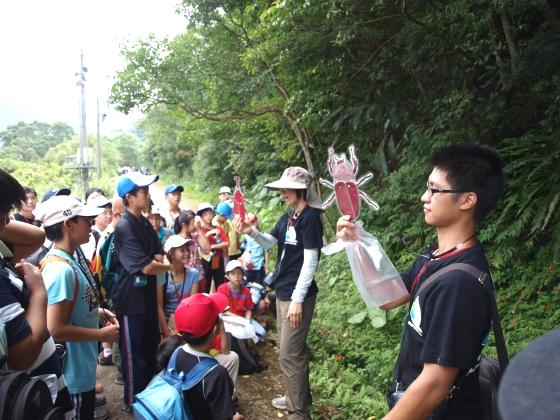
(179, 296)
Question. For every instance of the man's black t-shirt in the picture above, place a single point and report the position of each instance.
(447, 325)
(295, 235)
(21, 218)
(211, 397)
(136, 244)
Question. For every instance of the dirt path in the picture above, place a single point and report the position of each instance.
(255, 391)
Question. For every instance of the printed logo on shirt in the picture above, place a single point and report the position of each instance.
(291, 237)
(416, 316)
(90, 299)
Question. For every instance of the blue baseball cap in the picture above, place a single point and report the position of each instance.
(224, 209)
(133, 180)
(172, 188)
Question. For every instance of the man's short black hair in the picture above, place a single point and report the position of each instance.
(184, 218)
(29, 190)
(55, 232)
(91, 191)
(165, 350)
(473, 168)
(133, 192)
(11, 193)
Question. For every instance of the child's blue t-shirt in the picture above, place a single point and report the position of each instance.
(80, 361)
(256, 251)
(175, 293)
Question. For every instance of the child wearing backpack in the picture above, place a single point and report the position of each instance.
(198, 320)
(23, 300)
(180, 282)
(73, 312)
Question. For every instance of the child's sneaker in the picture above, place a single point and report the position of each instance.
(100, 399)
(280, 403)
(101, 413)
(105, 360)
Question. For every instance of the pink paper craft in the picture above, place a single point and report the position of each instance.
(346, 189)
(238, 199)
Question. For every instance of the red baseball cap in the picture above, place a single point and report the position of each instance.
(197, 314)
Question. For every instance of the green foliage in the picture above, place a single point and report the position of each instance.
(46, 158)
(30, 141)
(254, 86)
(351, 362)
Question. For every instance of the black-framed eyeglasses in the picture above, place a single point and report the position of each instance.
(433, 190)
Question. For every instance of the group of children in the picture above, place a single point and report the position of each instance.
(202, 252)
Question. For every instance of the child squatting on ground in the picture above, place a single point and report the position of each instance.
(198, 321)
(239, 296)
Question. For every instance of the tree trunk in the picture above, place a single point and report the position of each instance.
(506, 26)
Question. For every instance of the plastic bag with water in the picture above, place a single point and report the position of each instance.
(375, 276)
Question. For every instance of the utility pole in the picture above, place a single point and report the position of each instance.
(83, 163)
(98, 146)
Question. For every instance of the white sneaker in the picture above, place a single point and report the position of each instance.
(280, 403)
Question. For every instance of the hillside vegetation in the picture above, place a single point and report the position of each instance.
(252, 87)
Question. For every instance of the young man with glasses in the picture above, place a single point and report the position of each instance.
(448, 323)
(139, 259)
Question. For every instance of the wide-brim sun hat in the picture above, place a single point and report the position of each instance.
(225, 190)
(63, 207)
(297, 178)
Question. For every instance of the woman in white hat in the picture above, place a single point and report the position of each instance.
(299, 236)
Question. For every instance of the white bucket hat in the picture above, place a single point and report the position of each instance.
(63, 207)
(297, 178)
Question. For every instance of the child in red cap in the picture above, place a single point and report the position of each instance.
(198, 321)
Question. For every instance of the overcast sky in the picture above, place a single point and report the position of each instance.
(40, 42)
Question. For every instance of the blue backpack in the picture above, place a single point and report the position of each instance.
(163, 397)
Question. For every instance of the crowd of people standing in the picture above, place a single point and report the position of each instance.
(146, 283)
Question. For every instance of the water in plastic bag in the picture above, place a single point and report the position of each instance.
(375, 276)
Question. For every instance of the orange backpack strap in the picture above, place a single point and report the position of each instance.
(51, 258)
